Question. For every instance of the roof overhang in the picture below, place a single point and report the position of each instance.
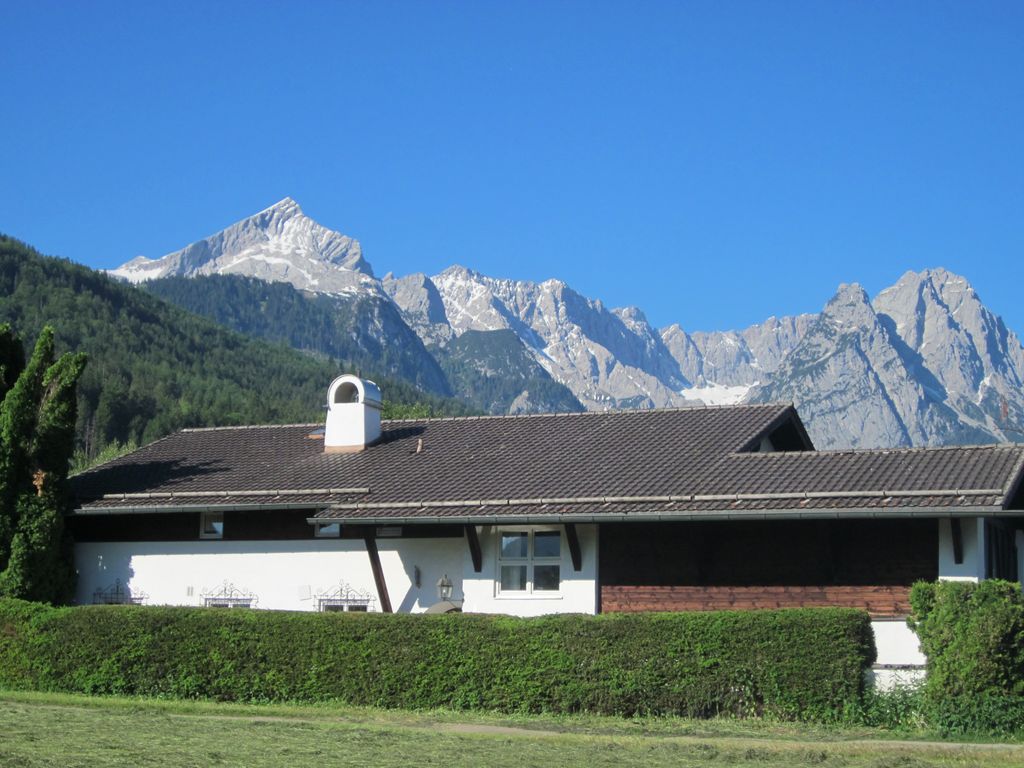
(862, 513)
(171, 508)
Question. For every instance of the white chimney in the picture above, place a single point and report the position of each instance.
(353, 414)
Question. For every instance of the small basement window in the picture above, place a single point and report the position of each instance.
(212, 602)
(211, 525)
(529, 561)
(228, 596)
(344, 598)
(328, 606)
(327, 530)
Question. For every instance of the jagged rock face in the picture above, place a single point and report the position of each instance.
(959, 349)
(495, 372)
(279, 244)
(608, 359)
(417, 298)
(925, 363)
(735, 358)
(853, 387)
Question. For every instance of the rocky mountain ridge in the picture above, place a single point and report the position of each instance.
(924, 363)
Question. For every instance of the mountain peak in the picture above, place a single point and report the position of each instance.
(850, 306)
(278, 244)
(286, 207)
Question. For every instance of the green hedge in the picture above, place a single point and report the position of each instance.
(806, 663)
(973, 637)
(972, 634)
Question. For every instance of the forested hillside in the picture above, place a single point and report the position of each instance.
(154, 367)
(494, 372)
(365, 331)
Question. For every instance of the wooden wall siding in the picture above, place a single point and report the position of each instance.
(779, 553)
(184, 526)
(271, 525)
(879, 601)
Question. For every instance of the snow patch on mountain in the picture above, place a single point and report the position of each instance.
(278, 244)
(717, 394)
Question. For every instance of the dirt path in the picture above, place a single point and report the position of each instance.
(950, 746)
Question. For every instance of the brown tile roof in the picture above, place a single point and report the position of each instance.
(678, 462)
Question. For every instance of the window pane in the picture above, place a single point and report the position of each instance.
(513, 578)
(547, 544)
(328, 529)
(514, 544)
(332, 608)
(545, 578)
(357, 608)
(213, 524)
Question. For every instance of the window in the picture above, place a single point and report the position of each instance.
(227, 595)
(529, 561)
(211, 525)
(329, 606)
(215, 603)
(327, 530)
(118, 594)
(343, 598)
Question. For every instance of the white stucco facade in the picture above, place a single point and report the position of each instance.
(577, 591)
(289, 575)
(282, 575)
(972, 568)
(900, 661)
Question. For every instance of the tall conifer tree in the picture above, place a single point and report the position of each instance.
(37, 422)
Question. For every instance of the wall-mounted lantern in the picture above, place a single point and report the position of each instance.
(444, 588)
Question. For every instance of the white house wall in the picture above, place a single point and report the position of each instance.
(577, 593)
(284, 575)
(973, 566)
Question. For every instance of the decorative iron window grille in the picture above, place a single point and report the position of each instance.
(118, 594)
(344, 598)
(227, 595)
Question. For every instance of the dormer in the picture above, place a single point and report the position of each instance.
(353, 414)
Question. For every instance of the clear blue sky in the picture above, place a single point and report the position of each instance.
(711, 162)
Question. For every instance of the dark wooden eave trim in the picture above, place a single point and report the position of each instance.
(378, 572)
(474, 548)
(574, 546)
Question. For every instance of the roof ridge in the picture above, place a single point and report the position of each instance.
(610, 411)
(906, 449)
(189, 430)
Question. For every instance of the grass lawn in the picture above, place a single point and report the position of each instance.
(65, 730)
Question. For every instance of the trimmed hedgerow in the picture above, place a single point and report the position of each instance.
(805, 663)
(973, 637)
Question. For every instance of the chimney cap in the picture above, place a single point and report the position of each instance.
(348, 389)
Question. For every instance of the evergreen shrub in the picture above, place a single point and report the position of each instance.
(973, 637)
(800, 663)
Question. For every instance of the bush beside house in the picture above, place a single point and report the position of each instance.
(973, 637)
(802, 663)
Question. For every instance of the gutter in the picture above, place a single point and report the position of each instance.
(97, 511)
(854, 513)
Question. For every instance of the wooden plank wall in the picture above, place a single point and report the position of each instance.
(868, 564)
(880, 601)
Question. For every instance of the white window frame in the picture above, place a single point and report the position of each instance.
(202, 525)
(530, 561)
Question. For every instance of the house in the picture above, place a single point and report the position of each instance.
(682, 509)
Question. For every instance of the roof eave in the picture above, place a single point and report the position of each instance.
(168, 508)
(853, 513)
